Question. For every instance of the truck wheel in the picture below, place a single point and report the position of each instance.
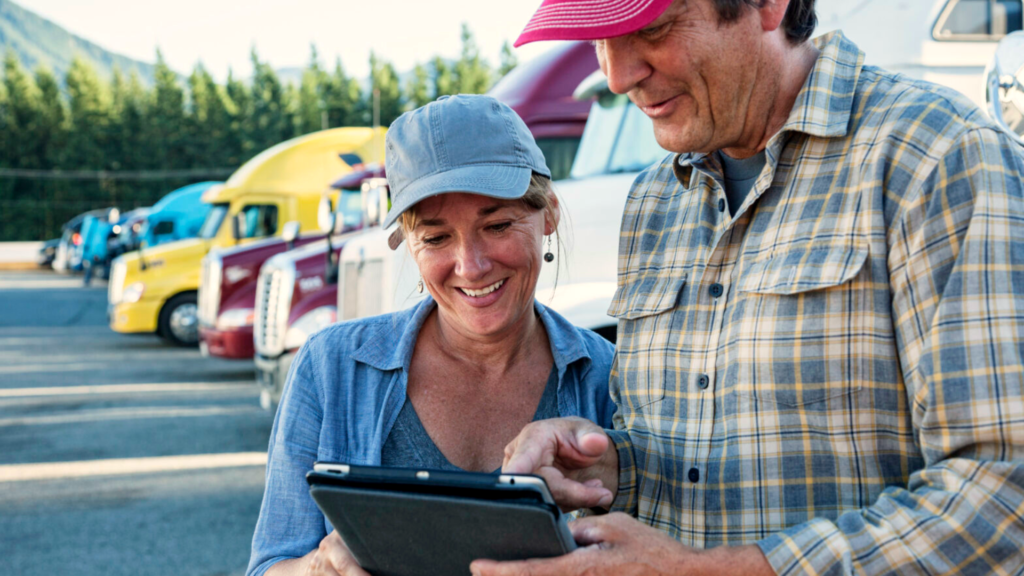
(178, 323)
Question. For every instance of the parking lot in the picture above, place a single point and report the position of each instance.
(119, 454)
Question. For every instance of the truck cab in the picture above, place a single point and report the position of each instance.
(177, 216)
(156, 290)
(228, 280)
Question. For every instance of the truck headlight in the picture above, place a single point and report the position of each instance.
(133, 293)
(309, 323)
(238, 318)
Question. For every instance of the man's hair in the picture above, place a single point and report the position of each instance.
(798, 23)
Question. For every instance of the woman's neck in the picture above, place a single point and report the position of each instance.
(496, 353)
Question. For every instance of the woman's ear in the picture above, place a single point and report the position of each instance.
(553, 215)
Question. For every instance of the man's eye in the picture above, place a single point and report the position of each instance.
(654, 31)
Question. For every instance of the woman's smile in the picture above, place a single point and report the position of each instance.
(484, 296)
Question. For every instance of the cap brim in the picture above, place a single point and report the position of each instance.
(589, 20)
(495, 181)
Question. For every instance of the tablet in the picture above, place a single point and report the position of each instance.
(409, 522)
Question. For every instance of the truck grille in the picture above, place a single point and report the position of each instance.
(361, 293)
(209, 289)
(273, 304)
(115, 290)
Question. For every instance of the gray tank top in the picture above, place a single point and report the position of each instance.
(409, 446)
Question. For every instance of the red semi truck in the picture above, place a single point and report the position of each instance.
(540, 91)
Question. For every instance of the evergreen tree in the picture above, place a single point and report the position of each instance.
(208, 121)
(90, 110)
(417, 91)
(444, 80)
(270, 123)
(22, 114)
(384, 81)
(52, 122)
(508, 60)
(167, 130)
(239, 105)
(472, 74)
(342, 98)
(311, 112)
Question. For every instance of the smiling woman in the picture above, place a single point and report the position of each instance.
(447, 384)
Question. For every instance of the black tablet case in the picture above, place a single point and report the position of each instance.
(396, 533)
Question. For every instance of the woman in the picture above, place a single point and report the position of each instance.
(448, 383)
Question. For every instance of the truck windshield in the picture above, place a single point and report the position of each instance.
(618, 138)
(213, 221)
(350, 208)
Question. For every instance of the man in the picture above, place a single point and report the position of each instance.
(819, 367)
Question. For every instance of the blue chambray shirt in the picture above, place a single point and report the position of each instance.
(343, 395)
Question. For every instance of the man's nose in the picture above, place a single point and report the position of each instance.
(622, 64)
(472, 261)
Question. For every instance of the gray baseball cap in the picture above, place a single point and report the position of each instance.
(463, 143)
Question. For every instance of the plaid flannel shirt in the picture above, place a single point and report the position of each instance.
(835, 372)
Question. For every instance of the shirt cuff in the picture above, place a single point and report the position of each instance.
(815, 547)
(625, 498)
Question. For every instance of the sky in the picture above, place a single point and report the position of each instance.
(220, 33)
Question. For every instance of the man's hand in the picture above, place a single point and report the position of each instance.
(573, 455)
(618, 545)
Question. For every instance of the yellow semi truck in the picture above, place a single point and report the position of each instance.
(155, 290)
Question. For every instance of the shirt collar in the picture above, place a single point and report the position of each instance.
(825, 103)
(383, 352)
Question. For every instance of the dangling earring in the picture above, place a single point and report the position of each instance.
(419, 286)
(548, 256)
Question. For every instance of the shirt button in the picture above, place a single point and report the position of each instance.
(703, 381)
(716, 290)
(721, 205)
(694, 475)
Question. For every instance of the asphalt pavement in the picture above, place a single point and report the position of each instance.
(119, 454)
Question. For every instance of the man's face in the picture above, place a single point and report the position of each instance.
(690, 73)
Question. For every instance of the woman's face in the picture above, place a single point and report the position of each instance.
(480, 258)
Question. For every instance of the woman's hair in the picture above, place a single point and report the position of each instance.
(539, 196)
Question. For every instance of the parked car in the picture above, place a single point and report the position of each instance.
(47, 253)
(155, 290)
(69, 255)
(300, 287)
(949, 42)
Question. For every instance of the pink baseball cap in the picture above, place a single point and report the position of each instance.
(590, 19)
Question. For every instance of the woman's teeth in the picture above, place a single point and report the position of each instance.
(483, 291)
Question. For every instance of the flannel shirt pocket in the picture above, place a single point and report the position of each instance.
(646, 306)
(800, 332)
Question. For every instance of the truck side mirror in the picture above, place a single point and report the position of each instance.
(290, 232)
(325, 218)
(238, 226)
(1004, 86)
(113, 216)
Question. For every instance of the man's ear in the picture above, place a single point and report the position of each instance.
(772, 13)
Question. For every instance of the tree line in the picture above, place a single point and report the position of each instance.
(91, 143)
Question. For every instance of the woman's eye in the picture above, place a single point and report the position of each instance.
(500, 227)
(433, 240)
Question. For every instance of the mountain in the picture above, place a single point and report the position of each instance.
(36, 40)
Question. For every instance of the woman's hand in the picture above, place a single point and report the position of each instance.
(332, 558)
